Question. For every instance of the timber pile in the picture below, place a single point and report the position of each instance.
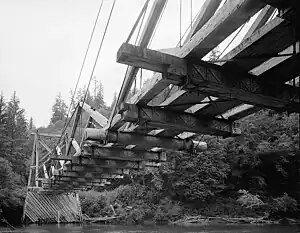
(43, 208)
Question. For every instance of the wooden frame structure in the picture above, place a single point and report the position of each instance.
(204, 97)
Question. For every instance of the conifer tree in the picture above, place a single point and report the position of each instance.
(59, 110)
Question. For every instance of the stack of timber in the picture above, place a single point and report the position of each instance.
(52, 208)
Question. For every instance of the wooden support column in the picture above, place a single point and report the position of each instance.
(33, 160)
(36, 161)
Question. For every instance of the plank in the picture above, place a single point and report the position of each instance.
(261, 19)
(207, 10)
(230, 17)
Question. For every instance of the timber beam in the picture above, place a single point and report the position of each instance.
(68, 185)
(103, 163)
(97, 116)
(166, 119)
(79, 179)
(230, 17)
(86, 168)
(118, 153)
(90, 175)
(211, 79)
(148, 142)
(145, 142)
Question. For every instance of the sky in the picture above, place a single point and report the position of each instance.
(42, 46)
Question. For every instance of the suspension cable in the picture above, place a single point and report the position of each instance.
(67, 121)
(142, 14)
(84, 59)
(191, 13)
(98, 53)
(180, 16)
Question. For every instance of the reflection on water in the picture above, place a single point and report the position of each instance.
(74, 228)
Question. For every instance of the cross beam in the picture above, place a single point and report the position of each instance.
(162, 118)
(210, 78)
(102, 163)
(95, 170)
(125, 154)
(145, 142)
(92, 175)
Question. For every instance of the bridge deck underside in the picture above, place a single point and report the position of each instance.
(266, 54)
(187, 97)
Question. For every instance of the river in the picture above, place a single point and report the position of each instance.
(93, 228)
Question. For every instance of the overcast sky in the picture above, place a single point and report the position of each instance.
(42, 46)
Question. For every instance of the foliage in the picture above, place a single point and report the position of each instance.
(15, 146)
(59, 110)
(284, 204)
(198, 177)
(94, 204)
(167, 210)
(249, 200)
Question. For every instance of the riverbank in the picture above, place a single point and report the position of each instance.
(135, 204)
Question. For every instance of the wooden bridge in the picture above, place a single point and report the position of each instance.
(187, 97)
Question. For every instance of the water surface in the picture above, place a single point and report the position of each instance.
(95, 228)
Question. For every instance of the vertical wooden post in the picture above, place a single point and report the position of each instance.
(36, 160)
(32, 161)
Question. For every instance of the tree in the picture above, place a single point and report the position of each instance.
(31, 124)
(16, 121)
(84, 94)
(4, 140)
(59, 110)
(15, 148)
(98, 100)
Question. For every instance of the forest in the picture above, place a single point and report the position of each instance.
(255, 175)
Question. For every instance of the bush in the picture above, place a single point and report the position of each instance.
(249, 200)
(284, 205)
(167, 210)
(94, 204)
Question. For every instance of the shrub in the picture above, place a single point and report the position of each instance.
(94, 204)
(249, 200)
(167, 210)
(284, 204)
